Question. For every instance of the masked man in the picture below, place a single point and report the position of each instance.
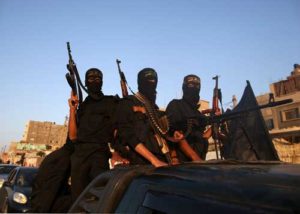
(185, 118)
(139, 125)
(91, 128)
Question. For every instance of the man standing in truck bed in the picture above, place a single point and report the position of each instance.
(136, 130)
(91, 133)
(179, 111)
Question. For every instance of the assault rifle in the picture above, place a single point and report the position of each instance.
(71, 66)
(73, 77)
(236, 114)
(123, 81)
(217, 96)
(216, 111)
(219, 119)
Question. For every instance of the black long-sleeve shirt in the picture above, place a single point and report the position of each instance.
(178, 112)
(96, 120)
(134, 127)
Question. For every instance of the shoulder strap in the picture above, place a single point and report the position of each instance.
(160, 125)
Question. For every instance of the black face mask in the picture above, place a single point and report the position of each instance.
(149, 91)
(191, 95)
(191, 89)
(147, 82)
(93, 82)
(94, 87)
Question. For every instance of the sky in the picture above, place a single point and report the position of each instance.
(255, 40)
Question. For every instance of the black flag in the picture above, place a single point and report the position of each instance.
(249, 139)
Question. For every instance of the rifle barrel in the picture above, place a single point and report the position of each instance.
(119, 69)
(234, 114)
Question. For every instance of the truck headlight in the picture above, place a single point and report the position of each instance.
(1, 182)
(19, 198)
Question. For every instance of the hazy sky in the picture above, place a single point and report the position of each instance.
(255, 40)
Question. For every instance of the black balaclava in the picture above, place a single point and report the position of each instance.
(191, 88)
(93, 82)
(147, 82)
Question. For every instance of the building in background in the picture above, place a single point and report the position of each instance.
(283, 121)
(203, 105)
(39, 139)
(287, 116)
(45, 133)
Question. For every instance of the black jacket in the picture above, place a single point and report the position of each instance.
(178, 112)
(134, 127)
(96, 120)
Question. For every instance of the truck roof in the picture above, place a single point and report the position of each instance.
(212, 186)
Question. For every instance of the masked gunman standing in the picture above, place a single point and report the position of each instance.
(136, 130)
(180, 111)
(91, 133)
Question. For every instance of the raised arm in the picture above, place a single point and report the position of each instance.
(73, 104)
